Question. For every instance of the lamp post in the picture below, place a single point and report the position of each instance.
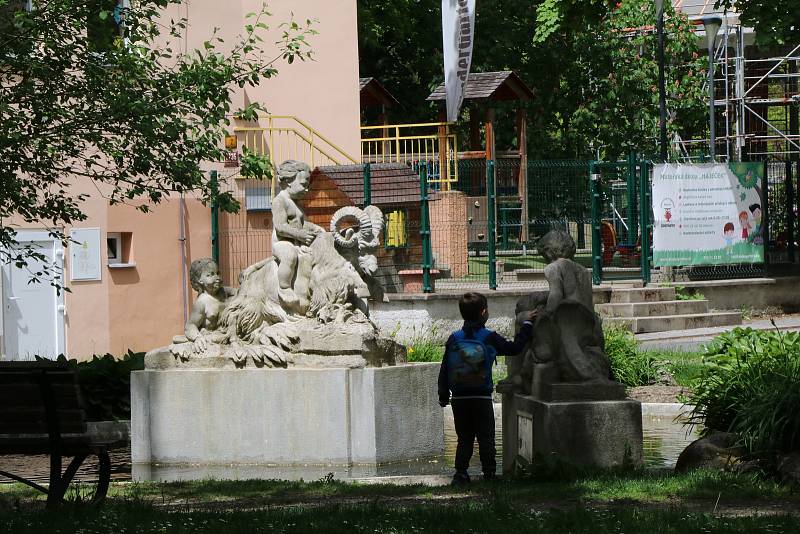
(711, 23)
(662, 92)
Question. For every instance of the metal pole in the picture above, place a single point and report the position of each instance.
(425, 230)
(631, 194)
(597, 244)
(492, 238)
(214, 217)
(712, 141)
(789, 211)
(644, 218)
(662, 92)
(367, 185)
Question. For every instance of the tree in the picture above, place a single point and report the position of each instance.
(776, 22)
(591, 64)
(94, 92)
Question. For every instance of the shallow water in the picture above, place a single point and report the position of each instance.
(664, 439)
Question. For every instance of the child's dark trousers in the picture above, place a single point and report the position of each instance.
(474, 418)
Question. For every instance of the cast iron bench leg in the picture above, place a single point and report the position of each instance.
(105, 477)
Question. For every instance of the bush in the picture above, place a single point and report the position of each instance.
(629, 365)
(106, 384)
(751, 387)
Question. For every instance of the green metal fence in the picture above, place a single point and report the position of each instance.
(621, 220)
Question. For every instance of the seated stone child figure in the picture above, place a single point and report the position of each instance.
(567, 279)
(203, 323)
(567, 345)
(292, 233)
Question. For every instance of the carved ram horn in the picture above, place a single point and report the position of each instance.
(364, 223)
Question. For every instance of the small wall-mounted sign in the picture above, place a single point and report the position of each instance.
(84, 254)
(232, 158)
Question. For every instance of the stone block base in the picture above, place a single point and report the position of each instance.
(585, 433)
(285, 416)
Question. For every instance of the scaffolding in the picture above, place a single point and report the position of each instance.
(757, 98)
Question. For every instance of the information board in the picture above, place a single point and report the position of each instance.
(708, 214)
(84, 254)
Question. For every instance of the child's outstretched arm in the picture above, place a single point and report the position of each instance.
(505, 347)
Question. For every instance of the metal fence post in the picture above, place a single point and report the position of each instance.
(633, 230)
(765, 234)
(367, 185)
(425, 230)
(597, 244)
(790, 193)
(214, 185)
(491, 197)
(644, 220)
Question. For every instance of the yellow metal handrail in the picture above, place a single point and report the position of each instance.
(297, 140)
(414, 143)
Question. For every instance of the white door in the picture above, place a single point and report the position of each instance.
(33, 313)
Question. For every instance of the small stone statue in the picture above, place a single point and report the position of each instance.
(291, 232)
(304, 305)
(202, 326)
(568, 344)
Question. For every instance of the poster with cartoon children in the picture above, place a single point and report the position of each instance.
(714, 217)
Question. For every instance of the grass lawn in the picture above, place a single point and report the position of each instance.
(602, 502)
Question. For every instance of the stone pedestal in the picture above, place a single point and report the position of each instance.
(286, 416)
(596, 433)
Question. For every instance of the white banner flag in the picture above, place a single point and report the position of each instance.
(458, 32)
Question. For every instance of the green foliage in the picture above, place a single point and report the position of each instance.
(776, 22)
(106, 384)
(594, 74)
(681, 293)
(425, 351)
(117, 108)
(629, 365)
(750, 388)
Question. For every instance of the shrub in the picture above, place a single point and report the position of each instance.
(629, 365)
(106, 384)
(751, 388)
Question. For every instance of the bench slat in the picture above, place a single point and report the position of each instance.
(27, 394)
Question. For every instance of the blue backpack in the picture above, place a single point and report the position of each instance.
(469, 362)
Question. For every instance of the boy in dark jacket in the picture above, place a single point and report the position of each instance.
(467, 372)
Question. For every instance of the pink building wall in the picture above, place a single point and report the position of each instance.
(141, 307)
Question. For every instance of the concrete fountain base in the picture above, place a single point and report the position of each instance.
(333, 416)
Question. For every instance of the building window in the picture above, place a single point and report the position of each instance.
(118, 250)
(114, 247)
(258, 198)
(396, 229)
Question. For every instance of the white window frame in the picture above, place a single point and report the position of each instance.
(117, 237)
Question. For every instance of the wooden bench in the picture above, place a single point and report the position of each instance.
(41, 412)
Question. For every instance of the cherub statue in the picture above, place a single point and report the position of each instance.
(202, 326)
(292, 233)
(567, 345)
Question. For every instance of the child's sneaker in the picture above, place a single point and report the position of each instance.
(460, 479)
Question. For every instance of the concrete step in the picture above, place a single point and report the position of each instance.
(650, 309)
(663, 323)
(643, 294)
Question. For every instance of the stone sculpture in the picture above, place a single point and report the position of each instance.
(568, 345)
(304, 306)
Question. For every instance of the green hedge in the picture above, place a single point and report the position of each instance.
(105, 382)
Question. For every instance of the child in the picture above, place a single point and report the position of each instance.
(467, 372)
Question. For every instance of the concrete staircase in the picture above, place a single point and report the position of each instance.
(656, 309)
